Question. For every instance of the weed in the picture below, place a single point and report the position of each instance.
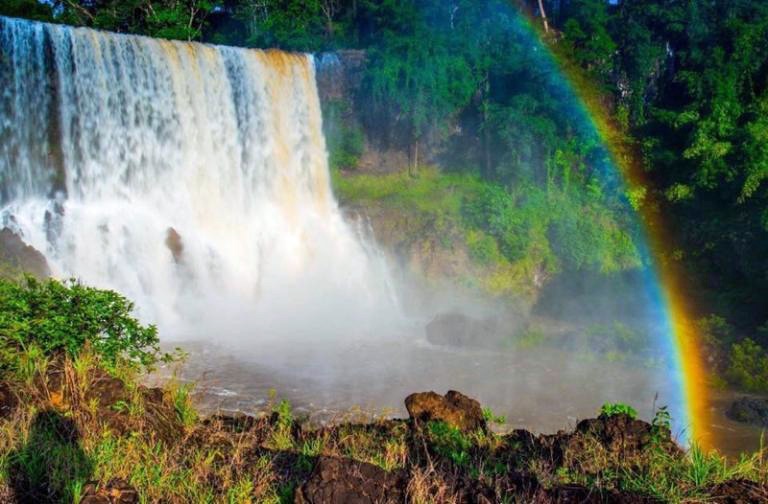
(611, 409)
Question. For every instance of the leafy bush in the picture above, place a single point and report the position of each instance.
(611, 409)
(64, 317)
(748, 367)
(482, 248)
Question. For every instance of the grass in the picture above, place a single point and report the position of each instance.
(59, 439)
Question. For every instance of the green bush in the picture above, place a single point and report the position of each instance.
(61, 318)
(748, 366)
(611, 409)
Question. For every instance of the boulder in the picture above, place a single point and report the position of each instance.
(454, 408)
(175, 244)
(464, 331)
(625, 436)
(749, 410)
(114, 492)
(347, 481)
(17, 254)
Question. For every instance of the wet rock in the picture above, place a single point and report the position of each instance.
(454, 408)
(174, 244)
(749, 410)
(739, 491)
(346, 481)
(462, 331)
(114, 492)
(8, 401)
(19, 255)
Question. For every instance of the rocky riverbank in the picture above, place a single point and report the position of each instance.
(73, 432)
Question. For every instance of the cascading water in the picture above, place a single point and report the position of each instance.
(191, 178)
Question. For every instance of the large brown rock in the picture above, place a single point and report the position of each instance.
(454, 408)
(17, 254)
(347, 481)
(175, 244)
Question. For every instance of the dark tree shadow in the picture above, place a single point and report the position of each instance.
(51, 463)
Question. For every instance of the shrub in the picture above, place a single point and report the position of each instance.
(61, 318)
(748, 367)
(450, 442)
(611, 409)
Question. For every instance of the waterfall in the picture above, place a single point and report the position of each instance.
(191, 178)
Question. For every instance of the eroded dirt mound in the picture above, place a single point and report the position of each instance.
(346, 481)
(739, 492)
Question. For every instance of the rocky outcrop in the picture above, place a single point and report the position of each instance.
(749, 410)
(18, 255)
(174, 244)
(338, 74)
(346, 481)
(454, 408)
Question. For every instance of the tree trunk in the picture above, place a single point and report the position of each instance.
(486, 129)
(414, 164)
(543, 16)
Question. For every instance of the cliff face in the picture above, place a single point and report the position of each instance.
(340, 76)
(16, 255)
(427, 245)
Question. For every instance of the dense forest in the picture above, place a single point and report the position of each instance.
(459, 82)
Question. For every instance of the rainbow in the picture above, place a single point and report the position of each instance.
(665, 279)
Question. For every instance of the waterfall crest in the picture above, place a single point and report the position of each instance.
(191, 178)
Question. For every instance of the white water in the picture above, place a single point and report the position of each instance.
(111, 144)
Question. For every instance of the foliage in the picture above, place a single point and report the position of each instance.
(748, 366)
(490, 417)
(610, 409)
(66, 317)
(172, 19)
(344, 137)
(450, 442)
(29, 9)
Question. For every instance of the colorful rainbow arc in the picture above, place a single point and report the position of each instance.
(680, 338)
